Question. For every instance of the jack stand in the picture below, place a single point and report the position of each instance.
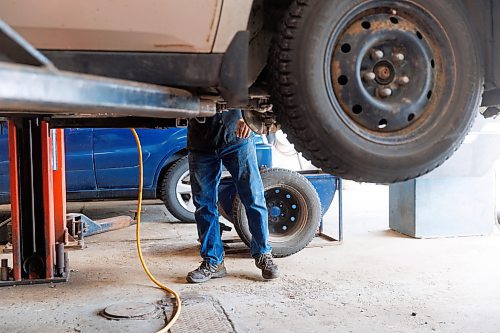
(81, 226)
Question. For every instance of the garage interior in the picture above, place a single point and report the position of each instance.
(376, 279)
(420, 255)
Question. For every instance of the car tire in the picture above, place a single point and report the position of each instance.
(5, 231)
(176, 191)
(294, 212)
(342, 117)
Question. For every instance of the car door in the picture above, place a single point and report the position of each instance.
(80, 175)
(116, 160)
(4, 163)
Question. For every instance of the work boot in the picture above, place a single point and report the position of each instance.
(268, 267)
(205, 272)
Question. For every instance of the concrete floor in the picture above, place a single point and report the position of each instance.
(376, 281)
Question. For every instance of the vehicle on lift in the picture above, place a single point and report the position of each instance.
(372, 90)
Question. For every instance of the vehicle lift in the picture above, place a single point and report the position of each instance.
(38, 100)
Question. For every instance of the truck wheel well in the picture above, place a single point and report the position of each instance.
(263, 24)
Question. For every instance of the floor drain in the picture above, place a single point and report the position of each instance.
(200, 314)
(131, 310)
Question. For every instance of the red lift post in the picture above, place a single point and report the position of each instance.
(38, 196)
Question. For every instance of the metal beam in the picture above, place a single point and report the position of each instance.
(28, 90)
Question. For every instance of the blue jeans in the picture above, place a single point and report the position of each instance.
(205, 172)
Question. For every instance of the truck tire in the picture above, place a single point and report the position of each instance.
(294, 212)
(377, 91)
(176, 191)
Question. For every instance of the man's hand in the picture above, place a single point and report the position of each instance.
(242, 129)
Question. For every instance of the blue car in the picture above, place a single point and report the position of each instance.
(102, 164)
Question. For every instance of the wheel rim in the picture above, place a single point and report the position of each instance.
(184, 193)
(385, 67)
(287, 212)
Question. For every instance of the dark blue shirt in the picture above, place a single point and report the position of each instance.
(217, 132)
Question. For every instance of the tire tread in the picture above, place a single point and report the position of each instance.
(292, 115)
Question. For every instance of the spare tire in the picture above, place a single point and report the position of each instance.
(376, 90)
(294, 212)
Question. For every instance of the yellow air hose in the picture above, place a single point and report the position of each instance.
(138, 239)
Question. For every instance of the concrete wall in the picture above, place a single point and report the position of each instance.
(444, 207)
(456, 199)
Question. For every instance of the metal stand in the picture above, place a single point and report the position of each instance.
(338, 190)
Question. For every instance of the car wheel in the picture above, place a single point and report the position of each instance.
(176, 191)
(294, 212)
(377, 90)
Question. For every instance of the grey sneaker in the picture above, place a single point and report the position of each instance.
(205, 272)
(268, 267)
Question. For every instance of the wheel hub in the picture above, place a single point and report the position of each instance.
(275, 212)
(382, 70)
(184, 193)
(285, 211)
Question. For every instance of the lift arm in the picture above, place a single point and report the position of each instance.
(31, 86)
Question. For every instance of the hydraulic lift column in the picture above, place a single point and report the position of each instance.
(33, 201)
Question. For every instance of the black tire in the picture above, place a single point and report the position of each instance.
(222, 212)
(4, 231)
(297, 200)
(341, 117)
(178, 204)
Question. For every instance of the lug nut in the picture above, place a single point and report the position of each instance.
(399, 57)
(376, 54)
(404, 80)
(369, 76)
(385, 92)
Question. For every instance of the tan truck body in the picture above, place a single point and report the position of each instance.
(196, 26)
